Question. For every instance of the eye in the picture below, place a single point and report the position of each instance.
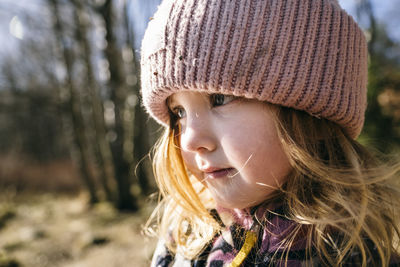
(179, 112)
(220, 99)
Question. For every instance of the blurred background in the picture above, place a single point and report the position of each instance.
(76, 185)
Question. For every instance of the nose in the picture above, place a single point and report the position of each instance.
(198, 135)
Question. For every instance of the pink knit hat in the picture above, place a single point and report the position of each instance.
(305, 54)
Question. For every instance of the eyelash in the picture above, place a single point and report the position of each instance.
(214, 98)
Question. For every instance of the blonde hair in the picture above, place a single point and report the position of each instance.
(342, 195)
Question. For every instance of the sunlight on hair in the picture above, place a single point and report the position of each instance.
(277, 182)
(267, 185)
(241, 169)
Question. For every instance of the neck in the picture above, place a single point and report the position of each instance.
(247, 217)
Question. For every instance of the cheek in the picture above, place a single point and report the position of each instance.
(271, 166)
(261, 157)
(189, 160)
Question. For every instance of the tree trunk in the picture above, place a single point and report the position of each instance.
(82, 157)
(140, 136)
(102, 147)
(117, 83)
(364, 7)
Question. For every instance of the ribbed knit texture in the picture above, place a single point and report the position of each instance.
(306, 54)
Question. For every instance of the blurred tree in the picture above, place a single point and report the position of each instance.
(121, 146)
(141, 134)
(28, 115)
(102, 146)
(74, 104)
(84, 65)
(382, 124)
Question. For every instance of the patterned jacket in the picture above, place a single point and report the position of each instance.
(267, 251)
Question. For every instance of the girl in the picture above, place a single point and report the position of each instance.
(262, 101)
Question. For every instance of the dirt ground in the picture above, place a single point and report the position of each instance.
(49, 230)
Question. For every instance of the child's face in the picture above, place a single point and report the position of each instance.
(231, 145)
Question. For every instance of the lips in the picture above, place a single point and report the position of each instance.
(215, 173)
